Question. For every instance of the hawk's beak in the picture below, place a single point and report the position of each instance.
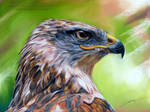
(116, 47)
(113, 46)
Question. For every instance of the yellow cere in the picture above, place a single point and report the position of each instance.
(111, 38)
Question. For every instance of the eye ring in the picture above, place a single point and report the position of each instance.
(82, 35)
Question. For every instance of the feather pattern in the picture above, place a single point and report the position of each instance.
(54, 75)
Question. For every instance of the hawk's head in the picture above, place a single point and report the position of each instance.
(64, 42)
(59, 57)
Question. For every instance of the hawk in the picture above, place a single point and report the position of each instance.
(55, 68)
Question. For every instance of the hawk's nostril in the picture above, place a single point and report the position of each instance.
(110, 40)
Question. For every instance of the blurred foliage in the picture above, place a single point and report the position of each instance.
(19, 17)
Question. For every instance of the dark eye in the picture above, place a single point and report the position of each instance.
(82, 35)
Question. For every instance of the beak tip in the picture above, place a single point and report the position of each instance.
(123, 52)
(122, 55)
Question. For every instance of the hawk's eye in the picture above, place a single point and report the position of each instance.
(82, 35)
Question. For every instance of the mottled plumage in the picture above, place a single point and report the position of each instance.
(54, 73)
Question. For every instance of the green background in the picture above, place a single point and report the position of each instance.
(123, 82)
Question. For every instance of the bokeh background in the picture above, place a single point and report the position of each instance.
(125, 83)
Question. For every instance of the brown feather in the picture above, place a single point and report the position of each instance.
(45, 83)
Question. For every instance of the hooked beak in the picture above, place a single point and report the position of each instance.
(117, 48)
(113, 46)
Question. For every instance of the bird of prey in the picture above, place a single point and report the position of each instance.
(55, 68)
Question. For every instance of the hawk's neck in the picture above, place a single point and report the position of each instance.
(38, 77)
(32, 84)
